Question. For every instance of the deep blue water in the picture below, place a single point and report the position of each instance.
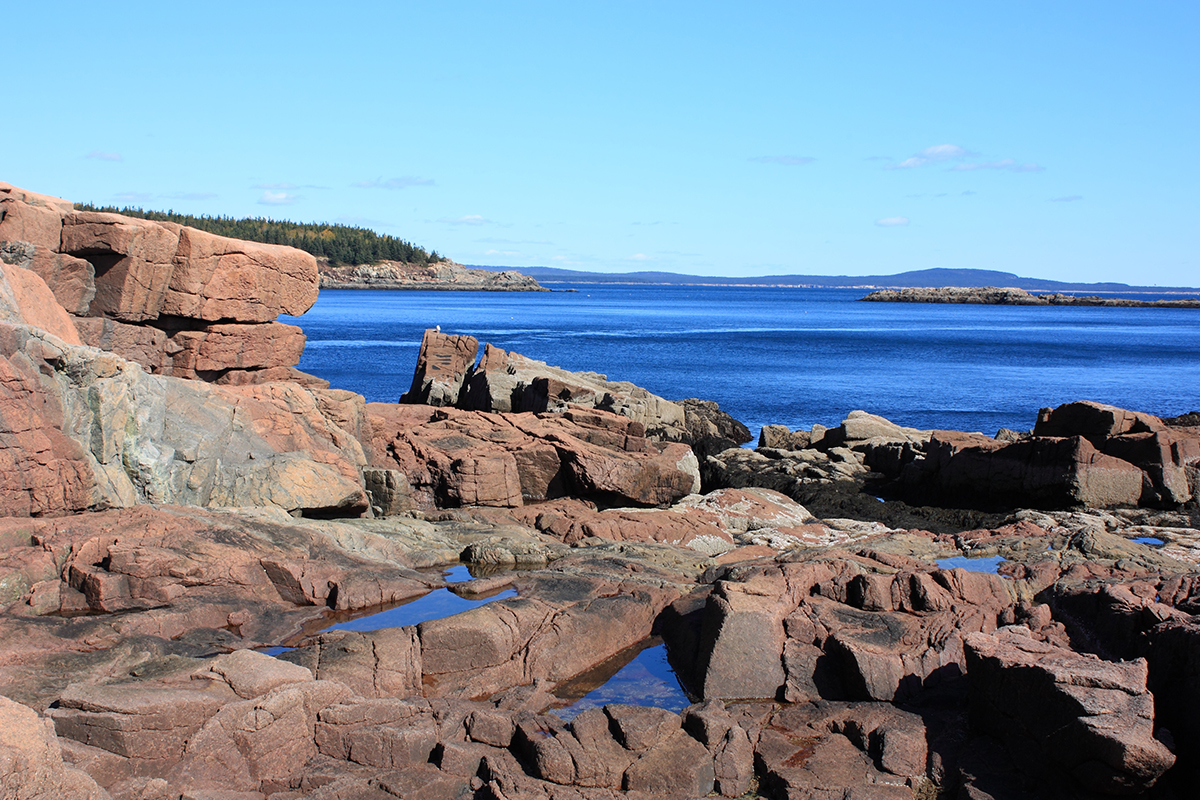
(785, 356)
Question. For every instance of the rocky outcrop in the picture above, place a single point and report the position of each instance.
(1080, 455)
(511, 382)
(444, 276)
(859, 626)
(31, 761)
(991, 295)
(443, 364)
(95, 431)
(1059, 709)
(177, 300)
(453, 458)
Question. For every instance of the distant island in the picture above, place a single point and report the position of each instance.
(1009, 296)
(445, 275)
(937, 278)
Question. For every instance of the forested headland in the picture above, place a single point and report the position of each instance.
(339, 244)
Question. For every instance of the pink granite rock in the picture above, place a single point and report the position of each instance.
(1065, 710)
(443, 363)
(31, 760)
(215, 278)
(132, 260)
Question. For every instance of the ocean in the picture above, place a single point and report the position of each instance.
(789, 356)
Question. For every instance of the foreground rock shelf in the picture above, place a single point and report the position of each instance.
(175, 498)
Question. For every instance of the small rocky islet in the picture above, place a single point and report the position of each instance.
(1012, 296)
(176, 498)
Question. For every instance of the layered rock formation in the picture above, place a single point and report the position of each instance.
(504, 382)
(1078, 455)
(177, 300)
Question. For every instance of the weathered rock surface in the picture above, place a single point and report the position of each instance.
(31, 761)
(460, 458)
(26, 300)
(214, 298)
(1092, 718)
(506, 381)
(1081, 455)
(842, 625)
(442, 365)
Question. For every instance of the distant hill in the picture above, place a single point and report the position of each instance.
(917, 278)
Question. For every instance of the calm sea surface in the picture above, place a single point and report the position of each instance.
(786, 356)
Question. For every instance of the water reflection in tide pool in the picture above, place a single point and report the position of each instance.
(987, 564)
(639, 676)
(1149, 541)
(435, 605)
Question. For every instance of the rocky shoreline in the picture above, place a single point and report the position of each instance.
(856, 611)
(991, 295)
(443, 276)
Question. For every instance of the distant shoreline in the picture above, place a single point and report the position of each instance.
(937, 277)
(1009, 296)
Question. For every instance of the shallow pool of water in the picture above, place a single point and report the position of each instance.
(436, 604)
(1149, 541)
(640, 676)
(985, 564)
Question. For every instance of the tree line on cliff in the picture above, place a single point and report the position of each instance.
(340, 244)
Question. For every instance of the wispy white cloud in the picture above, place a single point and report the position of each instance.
(933, 155)
(134, 197)
(494, 252)
(272, 198)
(189, 196)
(787, 161)
(497, 240)
(100, 155)
(1008, 164)
(469, 219)
(640, 257)
(942, 153)
(285, 186)
(1070, 198)
(891, 222)
(403, 182)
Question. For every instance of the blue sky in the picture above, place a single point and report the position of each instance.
(1057, 140)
